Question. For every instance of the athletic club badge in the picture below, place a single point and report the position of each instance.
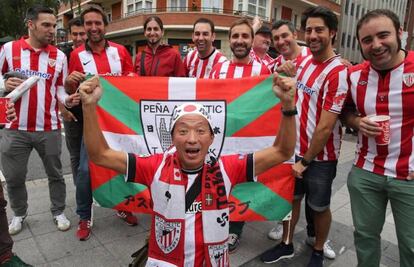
(167, 234)
(52, 62)
(219, 256)
(408, 79)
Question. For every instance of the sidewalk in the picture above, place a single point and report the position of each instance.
(112, 241)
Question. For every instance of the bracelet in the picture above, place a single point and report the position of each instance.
(291, 112)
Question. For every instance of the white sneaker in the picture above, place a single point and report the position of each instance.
(328, 251)
(62, 222)
(277, 232)
(16, 224)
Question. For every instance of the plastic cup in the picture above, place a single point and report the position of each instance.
(3, 109)
(384, 122)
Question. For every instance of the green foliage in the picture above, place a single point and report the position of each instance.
(12, 13)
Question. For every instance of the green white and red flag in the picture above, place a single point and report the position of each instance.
(134, 114)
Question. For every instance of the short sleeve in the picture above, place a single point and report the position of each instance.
(239, 168)
(336, 89)
(141, 168)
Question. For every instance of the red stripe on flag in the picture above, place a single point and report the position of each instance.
(268, 123)
(108, 123)
(204, 88)
(137, 205)
(235, 214)
(100, 175)
(132, 87)
(280, 180)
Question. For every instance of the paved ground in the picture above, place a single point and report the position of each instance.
(112, 242)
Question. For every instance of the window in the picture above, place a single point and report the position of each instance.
(275, 17)
(295, 21)
(358, 15)
(177, 5)
(257, 7)
(354, 43)
(343, 39)
(211, 5)
(109, 16)
(352, 9)
(348, 41)
(138, 6)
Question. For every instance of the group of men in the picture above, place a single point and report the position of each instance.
(323, 83)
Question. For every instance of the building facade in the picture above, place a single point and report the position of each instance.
(352, 11)
(127, 16)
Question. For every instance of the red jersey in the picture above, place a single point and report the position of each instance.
(146, 170)
(196, 67)
(305, 52)
(229, 69)
(165, 62)
(36, 110)
(390, 94)
(114, 60)
(267, 60)
(319, 86)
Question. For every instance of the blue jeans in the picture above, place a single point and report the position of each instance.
(83, 186)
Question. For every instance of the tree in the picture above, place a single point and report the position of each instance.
(13, 12)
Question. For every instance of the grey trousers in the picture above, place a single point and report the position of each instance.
(15, 148)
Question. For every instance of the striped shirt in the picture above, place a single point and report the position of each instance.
(196, 67)
(320, 86)
(392, 95)
(229, 69)
(37, 109)
(114, 60)
(305, 51)
(267, 60)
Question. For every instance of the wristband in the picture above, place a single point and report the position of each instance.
(291, 112)
(304, 162)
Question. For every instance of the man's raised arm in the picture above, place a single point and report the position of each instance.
(98, 150)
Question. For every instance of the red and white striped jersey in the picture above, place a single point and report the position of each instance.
(36, 110)
(145, 170)
(229, 69)
(115, 60)
(196, 67)
(319, 86)
(267, 60)
(392, 95)
(280, 59)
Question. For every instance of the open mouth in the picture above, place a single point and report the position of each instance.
(192, 151)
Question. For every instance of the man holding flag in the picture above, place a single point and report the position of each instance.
(181, 174)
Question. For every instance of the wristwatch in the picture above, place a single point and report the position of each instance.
(291, 112)
(304, 162)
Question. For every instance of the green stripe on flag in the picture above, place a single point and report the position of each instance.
(264, 201)
(115, 191)
(120, 106)
(256, 101)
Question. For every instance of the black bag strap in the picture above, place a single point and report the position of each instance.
(142, 63)
(193, 192)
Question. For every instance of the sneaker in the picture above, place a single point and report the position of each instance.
(316, 259)
(328, 251)
(62, 223)
(277, 232)
(128, 217)
(233, 242)
(16, 224)
(84, 230)
(15, 261)
(279, 252)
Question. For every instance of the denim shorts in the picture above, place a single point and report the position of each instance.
(317, 184)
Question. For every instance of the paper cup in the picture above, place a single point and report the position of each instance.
(384, 122)
(3, 109)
